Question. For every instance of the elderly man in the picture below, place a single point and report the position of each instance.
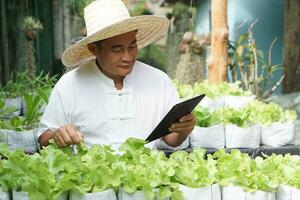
(111, 96)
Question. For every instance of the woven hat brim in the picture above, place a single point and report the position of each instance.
(150, 28)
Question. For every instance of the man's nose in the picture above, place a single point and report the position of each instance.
(126, 55)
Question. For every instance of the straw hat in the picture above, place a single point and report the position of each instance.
(108, 18)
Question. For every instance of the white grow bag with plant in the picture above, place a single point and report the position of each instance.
(160, 144)
(236, 137)
(285, 192)
(237, 101)
(137, 195)
(104, 195)
(208, 137)
(237, 193)
(4, 195)
(278, 134)
(211, 192)
(25, 140)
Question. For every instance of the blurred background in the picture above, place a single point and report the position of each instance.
(261, 41)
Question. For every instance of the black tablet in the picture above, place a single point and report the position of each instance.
(177, 111)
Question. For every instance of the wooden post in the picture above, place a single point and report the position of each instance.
(218, 59)
(291, 59)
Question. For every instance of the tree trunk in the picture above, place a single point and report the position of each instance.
(218, 60)
(291, 60)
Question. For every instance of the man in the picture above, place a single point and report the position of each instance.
(111, 96)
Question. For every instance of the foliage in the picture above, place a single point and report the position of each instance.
(55, 170)
(33, 103)
(192, 169)
(140, 8)
(211, 90)
(249, 62)
(21, 83)
(240, 170)
(141, 161)
(234, 116)
(206, 118)
(16, 85)
(255, 112)
(263, 113)
(32, 23)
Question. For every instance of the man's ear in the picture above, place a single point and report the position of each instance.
(92, 48)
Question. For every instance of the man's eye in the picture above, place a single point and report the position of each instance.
(117, 50)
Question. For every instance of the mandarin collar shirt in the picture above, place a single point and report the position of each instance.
(88, 99)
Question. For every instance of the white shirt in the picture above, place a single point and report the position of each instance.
(88, 99)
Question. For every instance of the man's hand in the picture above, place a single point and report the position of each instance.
(185, 125)
(67, 135)
(180, 130)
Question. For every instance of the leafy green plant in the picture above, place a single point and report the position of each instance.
(32, 23)
(192, 169)
(249, 61)
(33, 104)
(211, 90)
(16, 86)
(140, 161)
(206, 118)
(267, 113)
(234, 116)
(240, 170)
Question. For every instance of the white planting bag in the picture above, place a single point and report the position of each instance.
(4, 195)
(278, 134)
(237, 193)
(20, 195)
(24, 196)
(237, 101)
(15, 102)
(25, 140)
(104, 195)
(210, 103)
(236, 137)
(160, 144)
(137, 195)
(208, 137)
(211, 192)
(285, 192)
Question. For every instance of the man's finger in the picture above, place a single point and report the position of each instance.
(187, 117)
(66, 138)
(183, 124)
(58, 139)
(187, 129)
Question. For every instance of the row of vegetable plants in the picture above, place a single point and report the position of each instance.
(22, 102)
(230, 117)
(138, 173)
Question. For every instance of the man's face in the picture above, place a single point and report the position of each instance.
(116, 56)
